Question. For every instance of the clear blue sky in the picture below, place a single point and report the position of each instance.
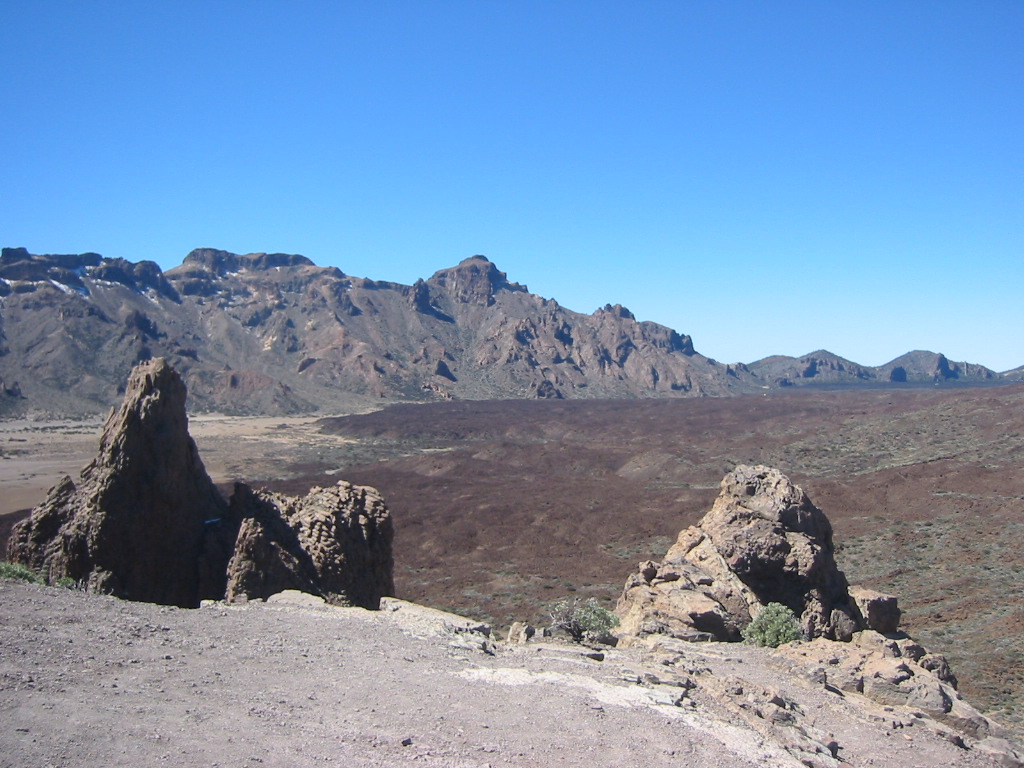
(769, 177)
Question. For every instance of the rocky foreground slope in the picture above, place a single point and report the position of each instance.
(89, 680)
(764, 542)
(274, 333)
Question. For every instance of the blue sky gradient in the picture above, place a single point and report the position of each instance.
(771, 178)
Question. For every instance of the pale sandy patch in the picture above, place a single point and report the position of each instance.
(34, 455)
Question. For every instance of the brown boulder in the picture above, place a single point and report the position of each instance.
(876, 610)
(763, 541)
(775, 541)
(135, 523)
(334, 542)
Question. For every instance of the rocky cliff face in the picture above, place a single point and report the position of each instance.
(274, 333)
(145, 522)
(334, 542)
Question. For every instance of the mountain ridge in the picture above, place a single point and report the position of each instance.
(275, 333)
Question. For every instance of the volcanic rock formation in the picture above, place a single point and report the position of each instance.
(145, 521)
(134, 525)
(335, 542)
(763, 541)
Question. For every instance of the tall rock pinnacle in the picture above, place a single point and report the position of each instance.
(145, 521)
(134, 524)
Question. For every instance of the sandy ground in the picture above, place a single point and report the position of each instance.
(34, 455)
(88, 680)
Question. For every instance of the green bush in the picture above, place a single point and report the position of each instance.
(17, 571)
(582, 619)
(773, 626)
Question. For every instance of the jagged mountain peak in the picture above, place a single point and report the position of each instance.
(24, 272)
(10, 256)
(275, 333)
(616, 310)
(475, 280)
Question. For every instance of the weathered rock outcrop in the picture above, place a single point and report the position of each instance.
(145, 521)
(895, 671)
(763, 541)
(134, 524)
(334, 542)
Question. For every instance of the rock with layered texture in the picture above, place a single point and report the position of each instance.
(334, 542)
(136, 523)
(763, 541)
(897, 673)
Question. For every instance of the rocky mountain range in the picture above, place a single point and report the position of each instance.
(275, 334)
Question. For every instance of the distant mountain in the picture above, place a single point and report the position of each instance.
(275, 333)
(1017, 374)
(921, 365)
(823, 367)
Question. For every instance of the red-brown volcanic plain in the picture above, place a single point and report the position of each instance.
(502, 507)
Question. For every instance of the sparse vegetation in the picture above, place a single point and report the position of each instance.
(66, 582)
(18, 571)
(774, 625)
(24, 573)
(868, 459)
(582, 618)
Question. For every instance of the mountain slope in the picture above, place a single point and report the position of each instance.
(275, 333)
(824, 367)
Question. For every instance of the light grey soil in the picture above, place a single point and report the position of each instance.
(88, 680)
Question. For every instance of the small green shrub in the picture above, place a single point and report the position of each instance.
(774, 625)
(582, 618)
(18, 571)
(66, 582)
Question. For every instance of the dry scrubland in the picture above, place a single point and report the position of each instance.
(501, 507)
